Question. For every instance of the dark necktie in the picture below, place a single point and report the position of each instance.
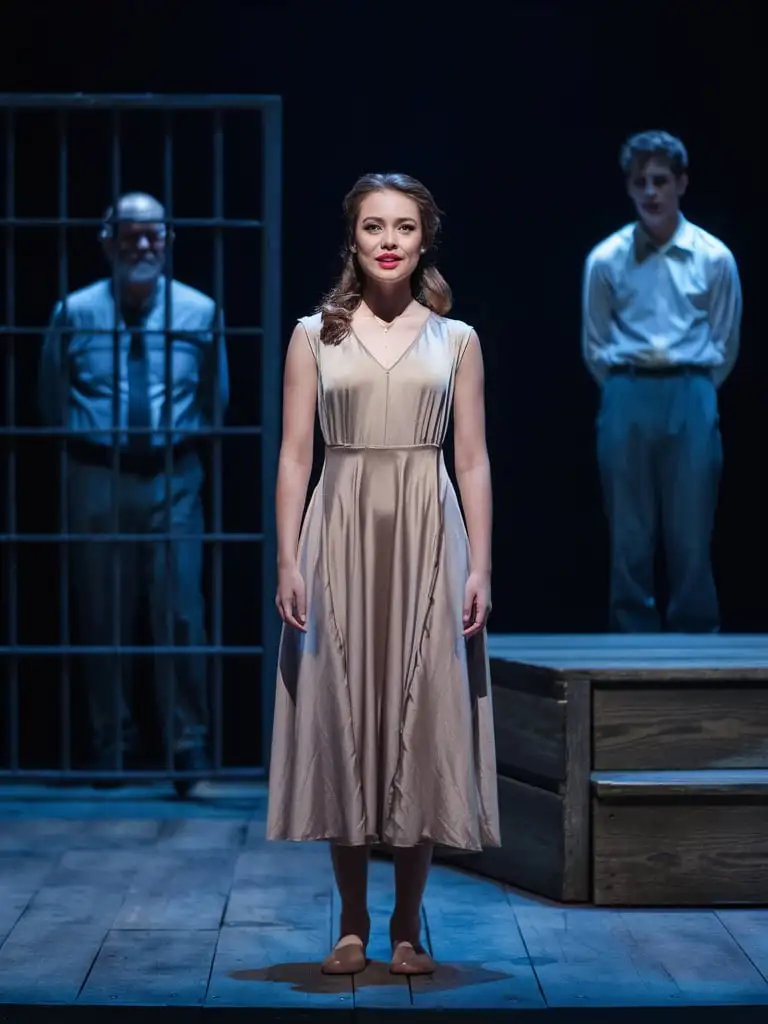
(139, 414)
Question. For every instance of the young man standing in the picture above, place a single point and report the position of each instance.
(661, 317)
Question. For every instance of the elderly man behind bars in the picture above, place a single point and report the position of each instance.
(77, 391)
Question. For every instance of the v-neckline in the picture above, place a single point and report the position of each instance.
(403, 354)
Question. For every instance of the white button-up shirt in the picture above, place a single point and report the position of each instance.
(651, 306)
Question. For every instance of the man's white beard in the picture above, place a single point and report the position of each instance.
(143, 272)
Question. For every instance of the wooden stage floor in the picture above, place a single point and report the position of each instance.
(130, 898)
(123, 898)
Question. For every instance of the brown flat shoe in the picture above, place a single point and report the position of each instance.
(346, 957)
(410, 959)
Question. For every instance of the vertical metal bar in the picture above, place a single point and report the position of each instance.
(10, 413)
(62, 341)
(272, 144)
(115, 660)
(168, 663)
(217, 469)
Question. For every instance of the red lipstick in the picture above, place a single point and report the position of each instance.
(388, 260)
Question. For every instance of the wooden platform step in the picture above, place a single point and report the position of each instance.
(613, 654)
(695, 785)
(680, 838)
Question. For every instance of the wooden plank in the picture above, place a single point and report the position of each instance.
(577, 839)
(26, 870)
(254, 900)
(151, 968)
(110, 870)
(201, 911)
(532, 851)
(625, 645)
(543, 742)
(705, 853)
(634, 642)
(277, 967)
(13, 903)
(46, 835)
(545, 833)
(120, 833)
(690, 785)
(523, 677)
(256, 834)
(749, 929)
(282, 863)
(638, 728)
(530, 734)
(587, 958)
(611, 671)
(202, 834)
(160, 873)
(700, 956)
(82, 905)
(47, 963)
(21, 876)
(286, 889)
(375, 988)
(625, 657)
(177, 890)
(481, 957)
(265, 907)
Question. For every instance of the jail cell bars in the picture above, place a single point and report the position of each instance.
(267, 333)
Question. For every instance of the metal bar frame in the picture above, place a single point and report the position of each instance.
(256, 332)
(57, 431)
(11, 553)
(95, 222)
(101, 538)
(269, 333)
(65, 733)
(138, 101)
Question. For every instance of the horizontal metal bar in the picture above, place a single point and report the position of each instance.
(164, 649)
(54, 538)
(48, 329)
(186, 433)
(93, 222)
(137, 101)
(57, 775)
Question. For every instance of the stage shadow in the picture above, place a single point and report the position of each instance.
(302, 977)
(307, 977)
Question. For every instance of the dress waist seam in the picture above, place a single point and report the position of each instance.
(381, 447)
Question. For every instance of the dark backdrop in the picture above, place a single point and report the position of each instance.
(513, 115)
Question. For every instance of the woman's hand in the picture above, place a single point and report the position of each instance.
(477, 603)
(291, 599)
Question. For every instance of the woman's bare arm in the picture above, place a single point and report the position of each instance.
(294, 469)
(473, 473)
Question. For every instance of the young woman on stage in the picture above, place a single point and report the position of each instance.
(383, 729)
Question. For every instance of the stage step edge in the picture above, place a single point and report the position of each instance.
(728, 784)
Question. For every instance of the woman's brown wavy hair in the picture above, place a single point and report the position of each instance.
(427, 283)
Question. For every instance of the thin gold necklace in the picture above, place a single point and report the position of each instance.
(387, 326)
(383, 323)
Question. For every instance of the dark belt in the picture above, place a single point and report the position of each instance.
(146, 462)
(660, 371)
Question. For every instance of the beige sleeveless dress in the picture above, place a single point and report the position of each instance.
(383, 727)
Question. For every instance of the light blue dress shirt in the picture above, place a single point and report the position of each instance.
(77, 377)
(652, 306)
